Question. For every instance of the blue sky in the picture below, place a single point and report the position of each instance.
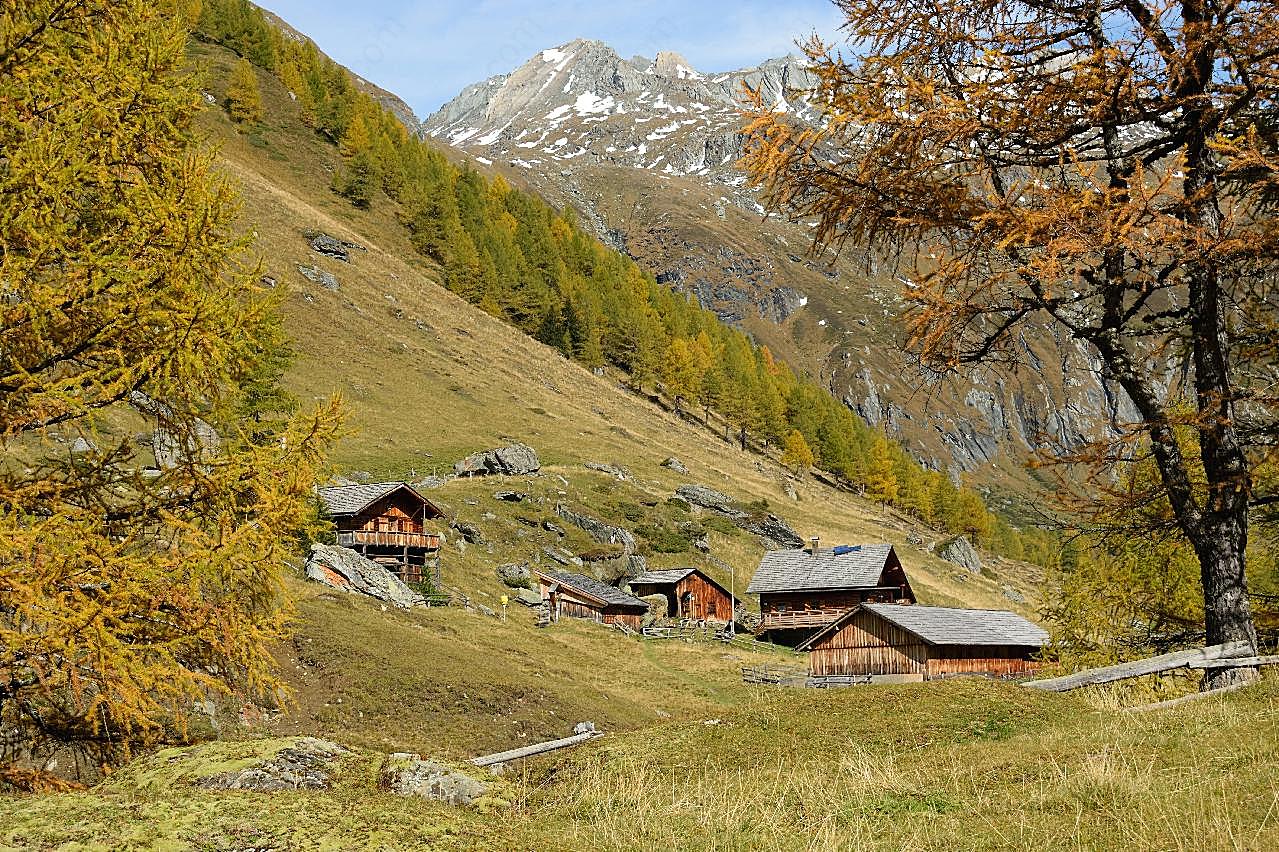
(426, 51)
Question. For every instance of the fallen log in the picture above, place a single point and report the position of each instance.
(1186, 699)
(1236, 663)
(1137, 668)
(588, 732)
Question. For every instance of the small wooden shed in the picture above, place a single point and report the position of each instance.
(577, 596)
(924, 642)
(387, 522)
(803, 588)
(689, 593)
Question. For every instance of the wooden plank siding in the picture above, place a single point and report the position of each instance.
(697, 599)
(565, 603)
(808, 609)
(997, 660)
(869, 645)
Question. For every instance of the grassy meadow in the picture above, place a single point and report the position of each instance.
(953, 765)
(692, 758)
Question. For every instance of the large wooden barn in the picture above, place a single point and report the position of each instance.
(387, 522)
(804, 588)
(924, 642)
(576, 596)
(689, 593)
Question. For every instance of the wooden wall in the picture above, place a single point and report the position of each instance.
(396, 512)
(832, 604)
(633, 620)
(870, 645)
(709, 602)
(980, 659)
(574, 606)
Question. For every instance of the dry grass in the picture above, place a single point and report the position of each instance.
(957, 765)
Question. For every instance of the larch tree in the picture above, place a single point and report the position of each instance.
(243, 100)
(1107, 168)
(134, 579)
(796, 453)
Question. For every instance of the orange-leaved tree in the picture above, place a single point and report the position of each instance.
(135, 577)
(1106, 168)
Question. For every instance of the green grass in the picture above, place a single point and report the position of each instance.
(954, 765)
(694, 759)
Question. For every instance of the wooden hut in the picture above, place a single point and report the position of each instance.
(924, 642)
(576, 596)
(387, 522)
(803, 588)
(689, 593)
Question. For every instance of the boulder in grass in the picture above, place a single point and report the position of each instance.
(513, 460)
(961, 552)
(409, 775)
(306, 763)
(516, 575)
(343, 568)
(675, 465)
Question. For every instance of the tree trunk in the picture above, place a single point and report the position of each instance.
(1227, 613)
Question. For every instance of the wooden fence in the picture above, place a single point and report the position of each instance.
(1229, 655)
(774, 675)
(689, 632)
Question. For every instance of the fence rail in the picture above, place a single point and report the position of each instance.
(1150, 665)
(774, 675)
(382, 538)
(688, 633)
(801, 618)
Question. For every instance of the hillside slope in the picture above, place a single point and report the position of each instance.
(428, 378)
(646, 150)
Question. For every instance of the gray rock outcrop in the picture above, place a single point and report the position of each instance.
(513, 460)
(598, 530)
(675, 465)
(774, 532)
(170, 445)
(409, 775)
(619, 473)
(343, 568)
(516, 575)
(707, 498)
(333, 247)
(961, 552)
(528, 597)
(305, 764)
(315, 275)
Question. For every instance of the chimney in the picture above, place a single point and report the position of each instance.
(814, 541)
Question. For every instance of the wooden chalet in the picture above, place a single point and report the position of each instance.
(387, 522)
(924, 642)
(576, 596)
(804, 588)
(689, 594)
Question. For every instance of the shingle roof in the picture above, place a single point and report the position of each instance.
(799, 570)
(669, 575)
(941, 625)
(342, 500)
(594, 588)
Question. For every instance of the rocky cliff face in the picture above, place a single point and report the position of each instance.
(646, 150)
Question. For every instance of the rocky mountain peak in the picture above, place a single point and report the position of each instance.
(671, 64)
(583, 100)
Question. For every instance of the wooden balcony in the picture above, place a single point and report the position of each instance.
(378, 538)
(799, 618)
